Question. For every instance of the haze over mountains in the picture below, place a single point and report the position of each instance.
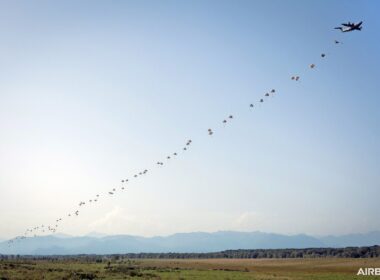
(96, 243)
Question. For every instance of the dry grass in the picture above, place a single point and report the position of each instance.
(233, 269)
(339, 265)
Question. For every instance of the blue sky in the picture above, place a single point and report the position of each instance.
(94, 91)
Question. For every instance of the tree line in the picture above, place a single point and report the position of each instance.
(348, 252)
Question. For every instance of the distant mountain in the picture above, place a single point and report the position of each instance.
(62, 235)
(371, 238)
(196, 242)
(96, 234)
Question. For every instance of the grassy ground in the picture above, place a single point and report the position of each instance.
(261, 269)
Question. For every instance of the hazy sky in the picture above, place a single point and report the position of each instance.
(92, 92)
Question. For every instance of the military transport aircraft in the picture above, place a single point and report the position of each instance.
(347, 27)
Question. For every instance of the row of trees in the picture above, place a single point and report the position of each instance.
(348, 252)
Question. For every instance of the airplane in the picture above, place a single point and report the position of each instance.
(350, 27)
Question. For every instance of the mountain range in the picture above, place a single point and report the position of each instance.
(195, 242)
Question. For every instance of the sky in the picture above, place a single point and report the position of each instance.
(92, 92)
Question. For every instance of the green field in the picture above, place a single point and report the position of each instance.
(320, 268)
